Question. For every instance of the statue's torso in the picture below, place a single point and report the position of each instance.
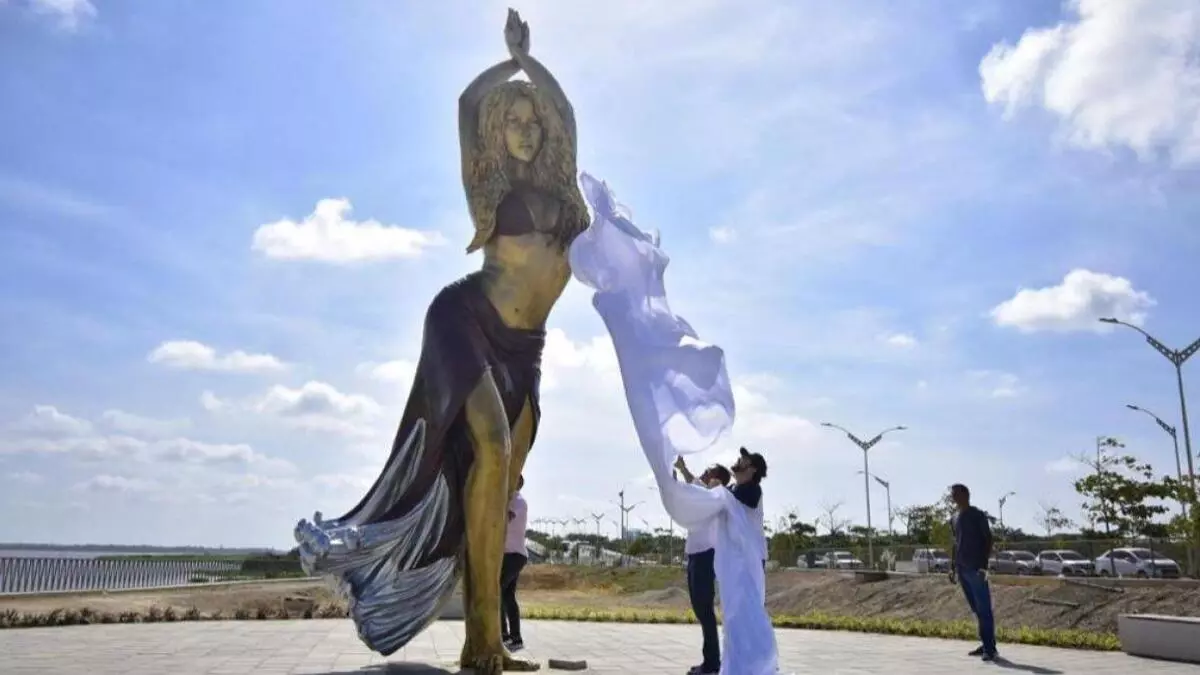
(525, 262)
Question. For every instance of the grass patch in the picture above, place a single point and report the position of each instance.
(953, 630)
(956, 630)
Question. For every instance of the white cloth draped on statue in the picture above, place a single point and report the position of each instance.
(681, 401)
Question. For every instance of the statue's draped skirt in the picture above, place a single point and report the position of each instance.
(397, 553)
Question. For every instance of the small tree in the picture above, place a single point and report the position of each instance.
(1052, 519)
(906, 515)
(1118, 491)
(791, 536)
(830, 519)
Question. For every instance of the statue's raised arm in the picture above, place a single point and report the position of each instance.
(516, 36)
(472, 96)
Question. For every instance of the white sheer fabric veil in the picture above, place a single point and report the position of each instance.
(682, 403)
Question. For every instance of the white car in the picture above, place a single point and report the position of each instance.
(929, 560)
(1064, 563)
(842, 560)
(1136, 562)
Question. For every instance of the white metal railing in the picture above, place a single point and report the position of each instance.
(47, 575)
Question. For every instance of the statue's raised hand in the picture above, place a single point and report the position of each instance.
(516, 34)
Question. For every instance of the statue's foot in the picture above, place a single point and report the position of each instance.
(515, 665)
(497, 664)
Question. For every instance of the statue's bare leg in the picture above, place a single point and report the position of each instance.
(522, 440)
(486, 507)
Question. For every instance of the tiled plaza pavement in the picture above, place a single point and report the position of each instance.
(330, 647)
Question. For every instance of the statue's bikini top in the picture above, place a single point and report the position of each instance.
(513, 216)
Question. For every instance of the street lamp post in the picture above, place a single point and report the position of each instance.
(1177, 357)
(866, 447)
(625, 518)
(1184, 510)
(887, 488)
(1003, 501)
(1175, 439)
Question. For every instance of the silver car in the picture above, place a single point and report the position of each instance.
(1064, 563)
(1013, 562)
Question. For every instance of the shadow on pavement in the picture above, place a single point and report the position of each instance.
(1026, 668)
(399, 669)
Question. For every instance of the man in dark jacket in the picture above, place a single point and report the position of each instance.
(969, 560)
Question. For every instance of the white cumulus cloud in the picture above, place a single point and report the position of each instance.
(328, 235)
(137, 425)
(48, 420)
(399, 371)
(722, 235)
(118, 484)
(562, 357)
(900, 340)
(1077, 303)
(996, 384)
(26, 477)
(1116, 73)
(1064, 465)
(315, 398)
(192, 355)
(71, 15)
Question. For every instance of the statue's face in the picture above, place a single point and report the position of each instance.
(522, 130)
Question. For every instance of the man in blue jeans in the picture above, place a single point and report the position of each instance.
(969, 559)
(700, 549)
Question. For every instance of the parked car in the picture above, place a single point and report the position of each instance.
(842, 560)
(810, 560)
(928, 560)
(1012, 562)
(1064, 563)
(1136, 562)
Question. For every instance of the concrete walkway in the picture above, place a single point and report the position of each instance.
(330, 647)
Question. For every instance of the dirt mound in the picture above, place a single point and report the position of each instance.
(934, 598)
(673, 597)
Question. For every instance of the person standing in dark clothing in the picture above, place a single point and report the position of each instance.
(700, 548)
(748, 472)
(969, 559)
(515, 557)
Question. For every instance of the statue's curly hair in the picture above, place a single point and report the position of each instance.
(489, 171)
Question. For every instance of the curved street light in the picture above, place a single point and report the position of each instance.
(1184, 509)
(866, 447)
(1177, 357)
(887, 487)
(1003, 501)
(1174, 438)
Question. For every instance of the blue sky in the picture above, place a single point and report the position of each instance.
(850, 193)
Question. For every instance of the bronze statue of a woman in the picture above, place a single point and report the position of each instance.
(438, 509)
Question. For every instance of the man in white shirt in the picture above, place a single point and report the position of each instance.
(701, 574)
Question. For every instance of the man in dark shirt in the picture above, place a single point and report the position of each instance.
(748, 472)
(969, 559)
